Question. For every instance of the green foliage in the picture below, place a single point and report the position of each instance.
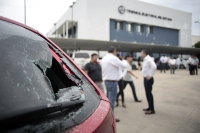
(197, 44)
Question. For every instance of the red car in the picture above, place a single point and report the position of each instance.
(42, 90)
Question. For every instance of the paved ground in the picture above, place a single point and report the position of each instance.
(177, 105)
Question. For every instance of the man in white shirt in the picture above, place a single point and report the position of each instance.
(178, 62)
(163, 60)
(172, 63)
(190, 62)
(148, 70)
(111, 66)
(128, 77)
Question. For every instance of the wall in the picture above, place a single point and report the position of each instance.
(160, 35)
(99, 13)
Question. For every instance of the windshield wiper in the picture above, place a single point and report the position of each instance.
(31, 113)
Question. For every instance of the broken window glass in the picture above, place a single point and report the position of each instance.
(30, 77)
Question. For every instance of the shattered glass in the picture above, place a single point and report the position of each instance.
(25, 58)
(20, 78)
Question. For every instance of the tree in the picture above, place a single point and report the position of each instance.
(197, 44)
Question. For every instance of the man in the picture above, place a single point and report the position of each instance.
(167, 60)
(196, 63)
(178, 63)
(148, 70)
(111, 66)
(163, 60)
(172, 63)
(128, 77)
(93, 70)
(121, 84)
(190, 62)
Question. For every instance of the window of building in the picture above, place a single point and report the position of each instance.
(151, 29)
(138, 28)
(118, 25)
(128, 27)
(142, 28)
(132, 27)
(148, 30)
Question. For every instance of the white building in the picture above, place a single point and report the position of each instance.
(125, 21)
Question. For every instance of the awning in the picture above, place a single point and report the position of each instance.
(81, 44)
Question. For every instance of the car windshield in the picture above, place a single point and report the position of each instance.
(34, 73)
(82, 55)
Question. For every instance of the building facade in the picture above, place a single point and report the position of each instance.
(125, 21)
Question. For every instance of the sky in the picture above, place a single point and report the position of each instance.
(42, 14)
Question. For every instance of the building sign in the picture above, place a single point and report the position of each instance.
(122, 10)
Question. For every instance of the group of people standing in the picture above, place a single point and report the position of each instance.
(193, 62)
(172, 63)
(117, 72)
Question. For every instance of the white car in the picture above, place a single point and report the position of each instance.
(135, 65)
(184, 64)
(80, 58)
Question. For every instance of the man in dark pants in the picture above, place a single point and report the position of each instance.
(191, 64)
(128, 80)
(121, 85)
(121, 92)
(163, 60)
(196, 63)
(148, 70)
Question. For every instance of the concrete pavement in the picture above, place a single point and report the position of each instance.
(177, 105)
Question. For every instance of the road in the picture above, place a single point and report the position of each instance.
(177, 105)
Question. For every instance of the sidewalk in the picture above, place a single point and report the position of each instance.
(177, 105)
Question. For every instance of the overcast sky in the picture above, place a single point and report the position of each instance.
(41, 14)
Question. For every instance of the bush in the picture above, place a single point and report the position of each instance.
(197, 44)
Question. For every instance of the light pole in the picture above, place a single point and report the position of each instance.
(25, 12)
(55, 29)
(72, 19)
(199, 27)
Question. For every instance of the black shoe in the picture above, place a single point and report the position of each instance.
(147, 109)
(150, 112)
(138, 101)
(117, 105)
(117, 120)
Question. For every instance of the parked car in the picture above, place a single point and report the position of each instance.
(184, 64)
(80, 58)
(43, 90)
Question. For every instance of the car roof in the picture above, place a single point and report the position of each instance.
(19, 24)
